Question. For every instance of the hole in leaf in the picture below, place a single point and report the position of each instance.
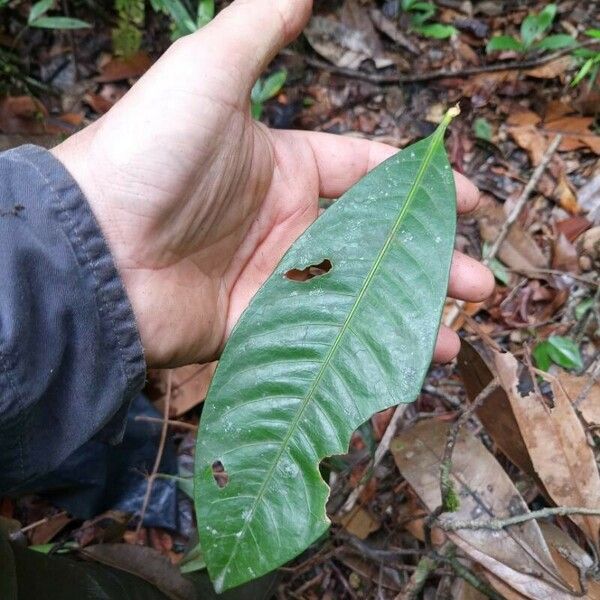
(310, 271)
(220, 474)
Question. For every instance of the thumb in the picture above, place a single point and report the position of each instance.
(248, 34)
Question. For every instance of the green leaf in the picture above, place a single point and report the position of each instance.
(273, 84)
(482, 129)
(562, 351)
(555, 42)
(38, 9)
(582, 308)
(585, 69)
(59, 23)
(310, 360)
(437, 31)
(546, 17)
(565, 352)
(541, 356)
(529, 30)
(595, 33)
(184, 24)
(504, 42)
(206, 12)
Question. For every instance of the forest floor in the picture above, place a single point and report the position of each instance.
(516, 418)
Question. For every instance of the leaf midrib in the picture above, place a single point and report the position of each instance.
(437, 135)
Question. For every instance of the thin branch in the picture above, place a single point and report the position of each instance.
(159, 454)
(520, 203)
(449, 500)
(384, 446)
(471, 578)
(512, 217)
(170, 422)
(441, 73)
(499, 524)
(42, 521)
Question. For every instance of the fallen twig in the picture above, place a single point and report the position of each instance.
(384, 446)
(510, 219)
(520, 203)
(170, 422)
(438, 74)
(499, 524)
(159, 454)
(449, 499)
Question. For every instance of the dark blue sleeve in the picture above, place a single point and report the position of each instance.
(71, 358)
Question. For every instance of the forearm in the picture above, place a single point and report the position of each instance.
(70, 354)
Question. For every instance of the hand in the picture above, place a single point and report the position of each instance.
(198, 202)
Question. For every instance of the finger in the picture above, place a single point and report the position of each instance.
(447, 345)
(246, 36)
(469, 279)
(342, 161)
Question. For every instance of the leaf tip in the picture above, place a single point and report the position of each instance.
(452, 112)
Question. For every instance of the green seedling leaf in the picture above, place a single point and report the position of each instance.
(59, 23)
(437, 31)
(559, 350)
(595, 33)
(504, 42)
(206, 12)
(265, 89)
(555, 42)
(546, 17)
(345, 327)
(582, 308)
(541, 356)
(38, 9)
(482, 129)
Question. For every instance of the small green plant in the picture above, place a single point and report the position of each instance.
(265, 89)
(558, 350)
(421, 14)
(482, 129)
(589, 58)
(127, 36)
(38, 18)
(533, 35)
(185, 21)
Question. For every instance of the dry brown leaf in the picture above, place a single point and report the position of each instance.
(551, 69)
(589, 405)
(528, 132)
(557, 445)
(360, 522)
(571, 559)
(576, 132)
(495, 413)
(565, 255)
(22, 114)
(485, 491)
(523, 118)
(573, 227)
(118, 69)
(391, 29)
(531, 140)
(347, 43)
(519, 250)
(45, 532)
(564, 194)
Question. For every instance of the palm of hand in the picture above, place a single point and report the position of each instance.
(198, 202)
(197, 229)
